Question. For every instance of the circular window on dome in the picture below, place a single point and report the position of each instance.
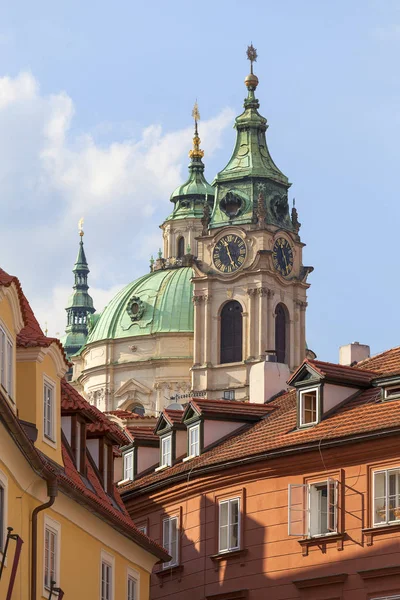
(135, 308)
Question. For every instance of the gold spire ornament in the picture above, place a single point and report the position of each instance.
(196, 152)
(80, 226)
(251, 80)
(252, 56)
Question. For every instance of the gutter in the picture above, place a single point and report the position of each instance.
(253, 459)
(52, 491)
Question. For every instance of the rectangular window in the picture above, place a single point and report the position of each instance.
(313, 508)
(50, 556)
(392, 392)
(194, 440)
(128, 465)
(386, 497)
(309, 407)
(142, 529)
(6, 362)
(229, 395)
(132, 588)
(229, 525)
(166, 459)
(48, 411)
(78, 449)
(171, 540)
(106, 580)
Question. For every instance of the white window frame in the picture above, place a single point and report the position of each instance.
(191, 429)
(167, 543)
(163, 455)
(229, 502)
(142, 529)
(388, 396)
(55, 528)
(395, 597)
(386, 521)
(133, 575)
(127, 470)
(6, 361)
(49, 439)
(302, 393)
(306, 506)
(3, 511)
(108, 560)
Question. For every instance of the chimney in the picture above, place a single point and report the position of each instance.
(267, 378)
(353, 353)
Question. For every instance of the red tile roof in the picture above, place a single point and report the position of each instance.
(31, 335)
(385, 363)
(231, 409)
(339, 373)
(91, 494)
(143, 434)
(364, 412)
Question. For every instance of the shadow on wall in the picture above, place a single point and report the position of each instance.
(266, 568)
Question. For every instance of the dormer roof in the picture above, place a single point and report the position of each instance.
(143, 436)
(314, 371)
(169, 419)
(227, 410)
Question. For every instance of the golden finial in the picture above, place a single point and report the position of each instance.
(196, 152)
(251, 80)
(80, 226)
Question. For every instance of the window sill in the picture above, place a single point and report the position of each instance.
(161, 468)
(123, 481)
(221, 556)
(371, 532)
(163, 574)
(322, 540)
(190, 457)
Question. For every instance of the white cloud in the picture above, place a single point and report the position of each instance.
(50, 177)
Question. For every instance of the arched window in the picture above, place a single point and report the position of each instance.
(281, 334)
(138, 409)
(231, 332)
(181, 247)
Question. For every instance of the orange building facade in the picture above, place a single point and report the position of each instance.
(296, 498)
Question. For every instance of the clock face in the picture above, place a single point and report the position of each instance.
(282, 256)
(229, 253)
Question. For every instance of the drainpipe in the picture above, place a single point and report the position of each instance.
(52, 493)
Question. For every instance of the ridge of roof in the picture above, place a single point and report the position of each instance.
(363, 413)
(336, 372)
(231, 408)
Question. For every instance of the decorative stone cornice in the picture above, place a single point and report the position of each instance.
(198, 298)
(301, 304)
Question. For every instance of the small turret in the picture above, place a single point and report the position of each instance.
(80, 304)
(184, 224)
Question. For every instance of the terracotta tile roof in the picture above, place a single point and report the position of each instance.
(143, 434)
(90, 494)
(385, 363)
(31, 335)
(339, 373)
(231, 409)
(71, 400)
(364, 412)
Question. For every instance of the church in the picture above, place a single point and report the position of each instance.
(227, 290)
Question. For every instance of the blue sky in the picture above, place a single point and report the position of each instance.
(95, 104)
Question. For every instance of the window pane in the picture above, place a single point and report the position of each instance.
(393, 500)
(9, 368)
(380, 497)
(309, 407)
(131, 588)
(2, 357)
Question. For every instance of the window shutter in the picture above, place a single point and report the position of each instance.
(332, 501)
(298, 509)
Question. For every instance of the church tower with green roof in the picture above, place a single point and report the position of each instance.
(80, 304)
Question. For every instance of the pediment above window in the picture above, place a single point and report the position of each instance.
(131, 388)
(305, 375)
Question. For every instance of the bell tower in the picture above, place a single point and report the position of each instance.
(249, 287)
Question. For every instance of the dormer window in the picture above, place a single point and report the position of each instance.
(308, 407)
(392, 392)
(128, 466)
(166, 451)
(194, 440)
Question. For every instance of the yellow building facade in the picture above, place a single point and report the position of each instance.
(63, 529)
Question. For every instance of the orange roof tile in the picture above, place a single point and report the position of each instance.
(385, 363)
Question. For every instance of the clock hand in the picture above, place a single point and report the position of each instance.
(228, 253)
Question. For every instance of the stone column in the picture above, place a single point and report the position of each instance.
(302, 330)
(292, 363)
(270, 322)
(262, 321)
(198, 331)
(251, 323)
(207, 329)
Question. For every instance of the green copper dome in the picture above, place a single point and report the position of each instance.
(159, 302)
